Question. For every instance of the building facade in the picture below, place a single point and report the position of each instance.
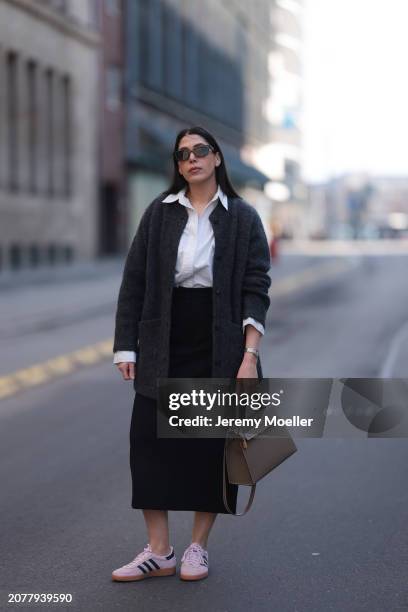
(281, 157)
(358, 205)
(48, 131)
(193, 63)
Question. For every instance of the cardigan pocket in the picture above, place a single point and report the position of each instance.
(149, 338)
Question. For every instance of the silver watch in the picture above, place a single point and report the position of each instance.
(255, 351)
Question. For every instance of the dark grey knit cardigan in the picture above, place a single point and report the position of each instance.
(240, 287)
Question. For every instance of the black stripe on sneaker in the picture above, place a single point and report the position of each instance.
(142, 568)
(171, 555)
(146, 564)
(153, 562)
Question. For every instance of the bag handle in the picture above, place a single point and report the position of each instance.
(224, 488)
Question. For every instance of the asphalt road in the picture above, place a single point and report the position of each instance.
(328, 529)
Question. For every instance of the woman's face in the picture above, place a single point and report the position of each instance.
(197, 169)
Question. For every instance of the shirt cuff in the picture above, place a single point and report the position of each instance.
(121, 356)
(256, 324)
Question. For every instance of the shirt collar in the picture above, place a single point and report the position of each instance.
(183, 199)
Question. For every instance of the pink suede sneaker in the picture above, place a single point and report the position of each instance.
(194, 563)
(146, 565)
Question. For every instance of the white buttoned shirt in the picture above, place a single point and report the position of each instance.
(195, 254)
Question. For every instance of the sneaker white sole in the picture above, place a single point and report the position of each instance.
(193, 576)
(166, 571)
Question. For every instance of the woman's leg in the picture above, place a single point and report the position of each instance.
(157, 524)
(203, 522)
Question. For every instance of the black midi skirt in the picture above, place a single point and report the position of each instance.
(180, 474)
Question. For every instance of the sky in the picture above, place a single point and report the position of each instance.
(355, 96)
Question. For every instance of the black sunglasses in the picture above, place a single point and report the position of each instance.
(200, 150)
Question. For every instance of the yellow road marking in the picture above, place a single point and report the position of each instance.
(54, 368)
(60, 365)
(8, 386)
(31, 376)
(86, 355)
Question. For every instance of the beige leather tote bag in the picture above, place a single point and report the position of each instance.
(250, 457)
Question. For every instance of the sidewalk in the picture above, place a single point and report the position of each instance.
(62, 273)
(324, 248)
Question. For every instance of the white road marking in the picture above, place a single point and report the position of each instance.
(397, 342)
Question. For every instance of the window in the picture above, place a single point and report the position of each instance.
(143, 36)
(32, 125)
(67, 135)
(171, 51)
(68, 253)
(52, 254)
(190, 64)
(112, 7)
(49, 114)
(33, 255)
(155, 41)
(15, 256)
(113, 87)
(12, 111)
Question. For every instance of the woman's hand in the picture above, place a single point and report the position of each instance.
(247, 368)
(127, 369)
(248, 372)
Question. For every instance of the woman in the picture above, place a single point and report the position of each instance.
(192, 303)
